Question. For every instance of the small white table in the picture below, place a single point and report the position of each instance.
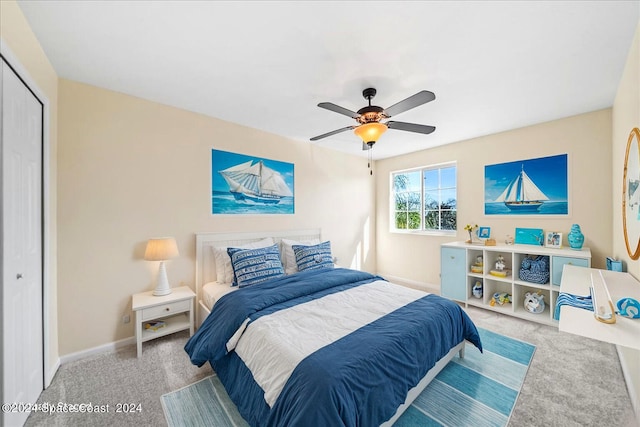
(577, 280)
(175, 310)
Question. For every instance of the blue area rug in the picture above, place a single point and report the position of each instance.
(479, 390)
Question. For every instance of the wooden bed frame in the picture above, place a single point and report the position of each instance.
(206, 272)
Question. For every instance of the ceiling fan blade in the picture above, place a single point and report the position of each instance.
(333, 132)
(411, 102)
(411, 127)
(338, 109)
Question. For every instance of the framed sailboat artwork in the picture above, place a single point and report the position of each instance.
(242, 184)
(527, 187)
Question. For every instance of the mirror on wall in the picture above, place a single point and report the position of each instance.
(631, 195)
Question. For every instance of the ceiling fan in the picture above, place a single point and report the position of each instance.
(370, 118)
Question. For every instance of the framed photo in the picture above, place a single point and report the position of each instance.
(484, 232)
(553, 239)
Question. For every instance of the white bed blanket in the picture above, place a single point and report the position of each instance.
(273, 345)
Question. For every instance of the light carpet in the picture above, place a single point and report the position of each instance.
(479, 390)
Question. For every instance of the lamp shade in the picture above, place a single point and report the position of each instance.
(160, 249)
(370, 132)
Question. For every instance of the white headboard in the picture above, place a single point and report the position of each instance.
(205, 262)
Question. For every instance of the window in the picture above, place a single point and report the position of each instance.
(424, 199)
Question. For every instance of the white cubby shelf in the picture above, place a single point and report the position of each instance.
(457, 280)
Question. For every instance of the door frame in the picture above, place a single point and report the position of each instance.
(47, 226)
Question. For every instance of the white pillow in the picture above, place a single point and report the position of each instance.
(289, 258)
(224, 270)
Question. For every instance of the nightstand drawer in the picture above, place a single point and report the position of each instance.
(165, 309)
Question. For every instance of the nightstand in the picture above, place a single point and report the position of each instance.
(175, 310)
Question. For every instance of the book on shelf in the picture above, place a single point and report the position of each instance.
(155, 325)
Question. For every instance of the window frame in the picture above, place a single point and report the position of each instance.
(392, 200)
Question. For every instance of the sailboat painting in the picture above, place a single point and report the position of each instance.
(242, 184)
(527, 187)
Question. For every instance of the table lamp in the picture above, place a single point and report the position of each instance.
(161, 249)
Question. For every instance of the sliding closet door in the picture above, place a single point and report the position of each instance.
(22, 328)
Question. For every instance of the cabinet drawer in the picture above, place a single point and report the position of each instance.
(165, 309)
(559, 262)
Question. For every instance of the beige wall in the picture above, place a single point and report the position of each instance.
(16, 33)
(130, 169)
(626, 116)
(585, 138)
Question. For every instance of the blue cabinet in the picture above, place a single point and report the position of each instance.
(558, 263)
(453, 273)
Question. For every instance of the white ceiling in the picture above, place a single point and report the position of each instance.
(493, 66)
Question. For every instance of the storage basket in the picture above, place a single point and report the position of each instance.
(535, 269)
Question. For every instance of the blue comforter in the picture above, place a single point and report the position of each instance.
(359, 380)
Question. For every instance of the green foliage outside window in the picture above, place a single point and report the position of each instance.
(428, 190)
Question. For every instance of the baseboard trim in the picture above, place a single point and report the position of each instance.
(423, 286)
(631, 385)
(51, 373)
(109, 347)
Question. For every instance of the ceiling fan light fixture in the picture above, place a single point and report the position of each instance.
(370, 132)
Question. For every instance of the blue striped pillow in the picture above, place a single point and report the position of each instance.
(251, 266)
(312, 257)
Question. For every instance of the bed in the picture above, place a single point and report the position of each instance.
(208, 288)
(327, 346)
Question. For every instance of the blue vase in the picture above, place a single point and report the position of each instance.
(575, 237)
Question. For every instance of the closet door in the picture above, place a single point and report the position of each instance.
(22, 328)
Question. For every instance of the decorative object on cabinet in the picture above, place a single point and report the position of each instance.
(553, 239)
(477, 289)
(603, 308)
(478, 266)
(614, 264)
(534, 302)
(575, 237)
(490, 242)
(629, 307)
(631, 195)
(161, 249)
(508, 240)
(501, 298)
(500, 273)
(470, 228)
(535, 269)
(484, 232)
(243, 184)
(524, 187)
(500, 270)
(457, 279)
(530, 236)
